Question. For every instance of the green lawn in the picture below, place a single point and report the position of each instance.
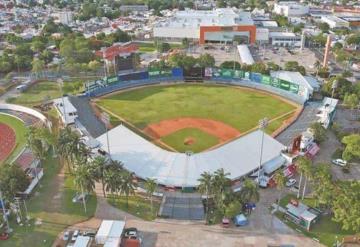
(325, 230)
(150, 47)
(138, 206)
(43, 91)
(20, 131)
(52, 204)
(238, 107)
(202, 140)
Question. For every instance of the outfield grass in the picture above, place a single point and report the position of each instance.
(138, 206)
(47, 90)
(202, 140)
(150, 47)
(20, 131)
(238, 107)
(325, 230)
(52, 206)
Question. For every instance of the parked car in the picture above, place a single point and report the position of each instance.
(79, 197)
(89, 233)
(4, 236)
(131, 232)
(290, 182)
(339, 162)
(66, 236)
(75, 235)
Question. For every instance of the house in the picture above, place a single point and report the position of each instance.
(302, 214)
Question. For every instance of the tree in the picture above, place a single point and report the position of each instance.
(346, 205)
(352, 147)
(185, 43)
(206, 187)
(83, 179)
(206, 60)
(12, 180)
(230, 65)
(319, 132)
(351, 101)
(324, 27)
(344, 86)
(94, 65)
(98, 167)
(323, 187)
(273, 66)
(37, 46)
(280, 181)
(68, 144)
(150, 186)
(127, 186)
(302, 164)
(233, 209)
(37, 65)
(249, 191)
(221, 183)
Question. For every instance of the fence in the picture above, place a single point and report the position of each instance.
(289, 90)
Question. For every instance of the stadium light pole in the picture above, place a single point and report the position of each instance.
(262, 125)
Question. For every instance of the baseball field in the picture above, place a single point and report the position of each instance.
(195, 117)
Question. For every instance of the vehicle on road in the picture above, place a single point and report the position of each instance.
(75, 235)
(66, 236)
(339, 162)
(290, 182)
(4, 236)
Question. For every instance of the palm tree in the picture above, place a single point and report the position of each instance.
(221, 183)
(50, 138)
(249, 191)
(84, 181)
(112, 181)
(280, 181)
(150, 186)
(98, 167)
(206, 187)
(317, 66)
(68, 143)
(323, 184)
(302, 163)
(127, 185)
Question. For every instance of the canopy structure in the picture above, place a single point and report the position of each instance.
(146, 160)
(245, 55)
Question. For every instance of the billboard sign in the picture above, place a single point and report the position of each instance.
(226, 72)
(294, 88)
(266, 80)
(239, 74)
(284, 85)
(275, 82)
(111, 79)
(256, 77)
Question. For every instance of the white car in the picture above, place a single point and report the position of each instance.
(75, 235)
(66, 236)
(290, 182)
(339, 162)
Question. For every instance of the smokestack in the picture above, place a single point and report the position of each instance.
(327, 50)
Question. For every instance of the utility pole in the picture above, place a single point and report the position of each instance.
(106, 119)
(262, 125)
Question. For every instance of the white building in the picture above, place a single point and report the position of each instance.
(66, 110)
(225, 24)
(285, 39)
(334, 21)
(109, 233)
(290, 9)
(245, 55)
(66, 17)
(307, 85)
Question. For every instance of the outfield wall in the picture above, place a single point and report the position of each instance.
(288, 90)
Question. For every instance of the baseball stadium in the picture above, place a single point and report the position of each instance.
(175, 124)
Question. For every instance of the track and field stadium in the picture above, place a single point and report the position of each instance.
(173, 131)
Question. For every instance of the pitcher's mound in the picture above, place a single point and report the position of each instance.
(189, 141)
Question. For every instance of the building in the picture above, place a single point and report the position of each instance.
(327, 111)
(284, 39)
(334, 21)
(66, 17)
(66, 110)
(239, 157)
(290, 9)
(302, 215)
(131, 8)
(109, 233)
(218, 25)
(307, 85)
(119, 56)
(245, 55)
(82, 241)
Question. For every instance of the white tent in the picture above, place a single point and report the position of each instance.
(147, 160)
(109, 231)
(245, 55)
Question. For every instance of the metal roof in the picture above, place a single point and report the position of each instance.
(147, 160)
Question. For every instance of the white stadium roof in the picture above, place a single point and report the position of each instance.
(147, 160)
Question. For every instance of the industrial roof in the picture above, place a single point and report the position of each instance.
(216, 17)
(147, 160)
(295, 77)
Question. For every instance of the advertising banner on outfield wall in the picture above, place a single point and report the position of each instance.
(266, 80)
(284, 85)
(256, 77)
(208, 72)
(294, 88)
(160, 73)
(111, 79)
(239, 74)
(177, 72)
(226, 73)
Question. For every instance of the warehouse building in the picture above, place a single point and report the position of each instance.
(285, 39)
(218, 25)
(290, 9)
(334, 21)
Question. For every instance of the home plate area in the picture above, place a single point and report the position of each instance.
(182, 206)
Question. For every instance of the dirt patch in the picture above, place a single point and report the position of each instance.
(222, 131)
(189, 141)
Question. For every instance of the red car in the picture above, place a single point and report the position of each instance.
(4, 236)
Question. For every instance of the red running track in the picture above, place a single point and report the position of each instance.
(7, 141)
